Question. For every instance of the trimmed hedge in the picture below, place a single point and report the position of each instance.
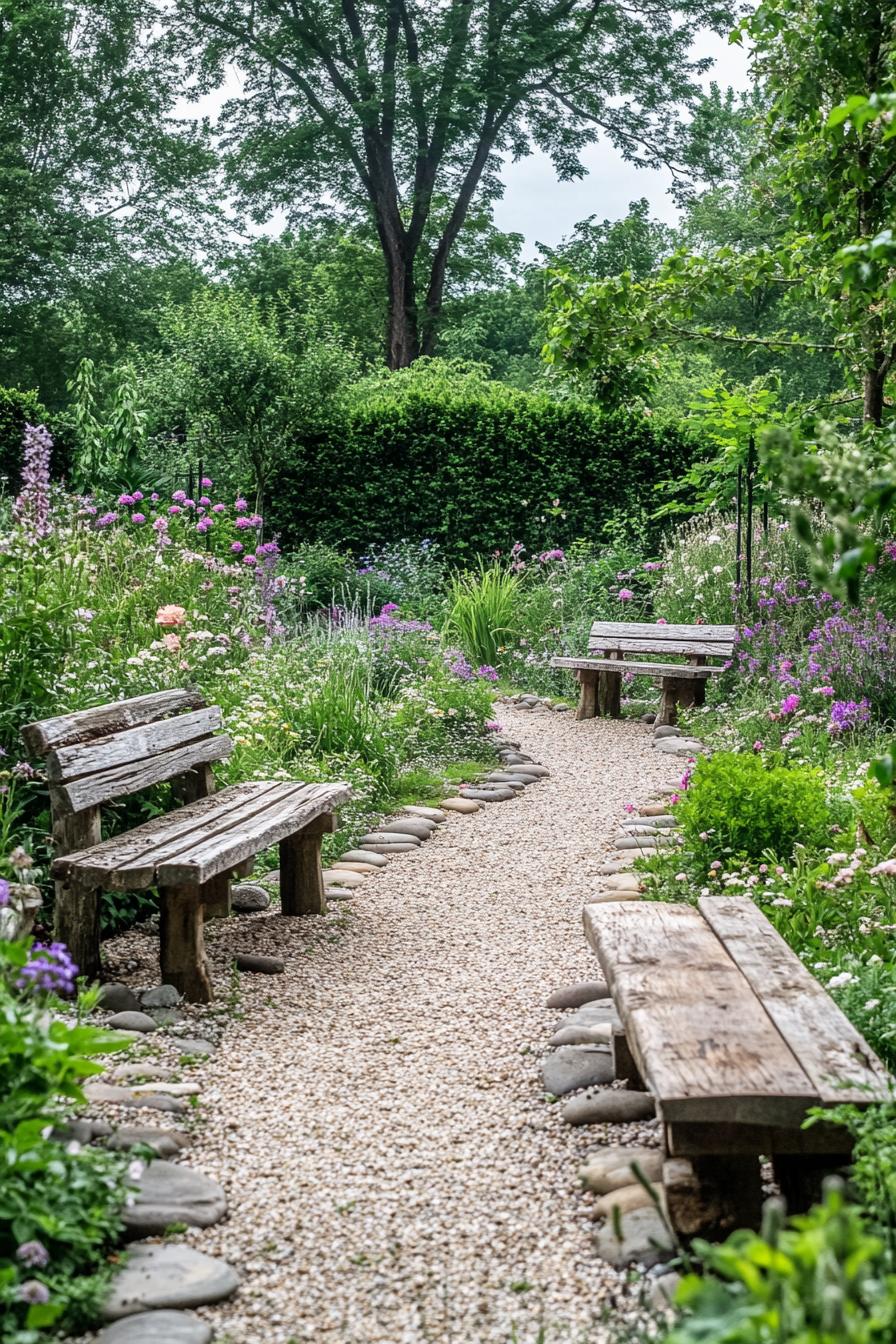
(472, 464)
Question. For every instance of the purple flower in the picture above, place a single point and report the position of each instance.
(126, 500)
(848, 714)
(4, 892)
(174, 510)
(32, 507)
(240, 505)
(204, 525)
(493, 726)
(652, 565)
(219, 508)
(138, 495)
(138, 517)
(207, 482)
(249, 560)
(34, 1292)
(33, 1254)
(458, 665)
(236, 547)
(160, 525)
(388, 607)
(179, 496)
(107, 519)
(555, 554)
(625, 594)
(49, 969)
(205, 502)
(487, 673)
(790, 704)
(154, 498)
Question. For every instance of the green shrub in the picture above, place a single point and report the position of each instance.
(442, 453)
(821, 1279)
(483, 612)
(736, 804)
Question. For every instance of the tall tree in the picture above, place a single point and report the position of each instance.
(95, 166)
(404, 109)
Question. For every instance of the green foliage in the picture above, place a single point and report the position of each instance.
(440, 452)
(745, 807)
(819, 1278)
(482, 612)
(110, 438)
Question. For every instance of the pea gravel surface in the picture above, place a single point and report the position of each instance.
(394, 1171)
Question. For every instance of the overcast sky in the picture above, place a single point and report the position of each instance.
(545, 210)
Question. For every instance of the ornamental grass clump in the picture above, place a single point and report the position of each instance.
(483, 612)
(738, 804)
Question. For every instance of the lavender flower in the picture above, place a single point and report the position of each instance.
(487, 673)
(848, 714)
(34, 1292)
(4, 893)
(32, 508)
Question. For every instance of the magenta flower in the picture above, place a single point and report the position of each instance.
(236, 547)
(203, 525)
(758, 746)
(126, 500)
(205, 502)
(487, 673)
(625, 594)
(790, 704)
(219, 508)
(138, 495)
(175, 509)
(240, 505)
(249, 560)
(138, 517)
(107, 519)
(179, 496)
(207, 482)
(160, 525)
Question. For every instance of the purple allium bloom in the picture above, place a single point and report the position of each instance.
(160, 525)
(204, 525)
(154, 497)
(207, 482)
(487, 673)
(236, 547)
(219, 508)
(625, 594)
(34, 1292)
(33, 1254)
(48, 969)
(32, 507)
(249, 560)
(126, 500)
(107, 519)
(138, 495)
(243, 523)
(651, 565)
(790, 704)
(205, 501)
(174, 510)
(388, 608)
(179, 496)
(4, 892)
(240, 505)
(189, 503)
(138, 517)
(555, 554)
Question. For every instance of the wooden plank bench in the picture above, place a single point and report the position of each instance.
(736, 1040)
(190, 854)
(684, 683)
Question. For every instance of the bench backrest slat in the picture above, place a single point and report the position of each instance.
(86, 724)
(97, 755)
(708, 641)
(834, 1056)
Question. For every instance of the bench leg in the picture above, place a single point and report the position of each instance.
(182, 944)
(215, 897)
(301, 875)
(76, 923)
(801, 1176)
(677, 691)
(611, 694)
(588, 683)
(624, 1065)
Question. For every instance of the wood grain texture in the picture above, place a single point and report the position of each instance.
(663, 647)
(650, 669)
(587, 706)
(87, 724)
(76, 915)
(76, 794)
(836, 1059)
(648, 629)
(182, 943)
(129, 860)
(132, 745)
(702, 1041)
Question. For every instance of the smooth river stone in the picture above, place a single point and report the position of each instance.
(666, 730)
(574, 996)
(390, 838)
(393, 847)
(246, 961)
(169, 1193)
(495, 795)
(418, 826)
(118, 998)
(123, 1096)
(157, 1327)
(571, 1067)
(590, 1015)
(499, 777)
(653, 810)
(599, 1172)
(163, 996)
(596, 1035)
(248, 897)
(168, 1276)
(464, 805)
(626, 1198)
(644, 1239)
(530, 768)
(130, 1021)
(364, 869)
(364, 856)
(164, 1142)
(679, 746)
(616, 1106)
(344, 877)
(428, 813)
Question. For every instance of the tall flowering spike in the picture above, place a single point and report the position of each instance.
(32, 508)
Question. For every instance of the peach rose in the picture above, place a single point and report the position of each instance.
(170, 615)
(172, 643)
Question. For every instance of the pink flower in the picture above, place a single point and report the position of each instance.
(207, 482)
(249, 560)
(662, 621)
(629, 807)
(170, 615)
(171, 642)
(241, 506)
(138, 517)
(179, 496)
(218, 508)
(236, 547)
(758, 746)
(625, 594)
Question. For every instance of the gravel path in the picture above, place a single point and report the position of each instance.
(394, 1172)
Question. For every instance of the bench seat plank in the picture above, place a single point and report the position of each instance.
(689, 648)
(682, 670)
(836, 1059)
(703, 1043)
(203, 839)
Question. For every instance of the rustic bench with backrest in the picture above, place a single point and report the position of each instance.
(684, 683)
(189, 855)
(737, 1042)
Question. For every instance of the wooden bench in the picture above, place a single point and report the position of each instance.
(189, 854)
(736, 1041)
(684, 683)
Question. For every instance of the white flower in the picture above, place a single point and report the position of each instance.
(136, 1170)
(681, 877)
(717, 569)
(838, 981)
(871, 1005)
(713, 539)
(73, 1148)
(885, 869)
(782, 901)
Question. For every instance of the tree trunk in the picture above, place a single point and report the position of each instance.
(403, 332)
(873, 399)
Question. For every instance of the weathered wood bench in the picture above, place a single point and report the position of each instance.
(190, 854)
(736, 1041)
(684, 683)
